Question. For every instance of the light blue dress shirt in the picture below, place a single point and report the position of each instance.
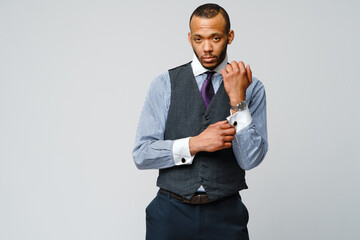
(151, 151)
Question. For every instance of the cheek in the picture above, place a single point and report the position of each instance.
(196, 48)
(222, 47)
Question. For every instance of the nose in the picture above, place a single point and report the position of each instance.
(207, 46)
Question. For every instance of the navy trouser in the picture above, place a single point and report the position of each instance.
(168, 218)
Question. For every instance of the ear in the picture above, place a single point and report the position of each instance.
(189, 37)
(231, 36)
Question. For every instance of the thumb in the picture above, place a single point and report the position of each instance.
(249, 73)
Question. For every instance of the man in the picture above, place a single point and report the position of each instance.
(201, 152)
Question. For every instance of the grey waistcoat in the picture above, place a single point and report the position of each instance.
(218, 171)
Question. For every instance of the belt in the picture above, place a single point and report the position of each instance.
(197, 198)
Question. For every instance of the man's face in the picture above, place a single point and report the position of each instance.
(209, 40)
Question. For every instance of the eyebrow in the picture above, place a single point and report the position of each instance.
(213, 34)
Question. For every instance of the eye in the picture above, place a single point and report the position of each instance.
(197, 39)
(216, 39)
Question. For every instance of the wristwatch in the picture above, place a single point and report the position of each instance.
(239, 107)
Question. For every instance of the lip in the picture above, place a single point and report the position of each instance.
(208, 59)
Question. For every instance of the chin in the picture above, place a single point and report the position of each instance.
(210, 66)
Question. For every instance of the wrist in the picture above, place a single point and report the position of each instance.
(238, 99)
(241, 106)
(193, 146)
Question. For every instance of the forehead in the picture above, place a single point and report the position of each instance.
(204, 25)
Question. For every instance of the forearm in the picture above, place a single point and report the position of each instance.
(250, 144)
(249, 147)
(151, 154)
(159, 154)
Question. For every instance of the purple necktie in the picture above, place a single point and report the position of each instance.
(207, 90)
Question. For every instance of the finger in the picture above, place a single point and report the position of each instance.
(225, 125)
(235, 66)
(228, 138)
(241, 66)
(229, 132)
(229, 68)
(220, 123)
(249, 73)
(223, 72)
(227, 145)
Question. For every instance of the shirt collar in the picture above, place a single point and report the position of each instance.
(199, 69)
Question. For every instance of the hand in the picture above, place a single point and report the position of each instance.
(215, 137)
(236, 79)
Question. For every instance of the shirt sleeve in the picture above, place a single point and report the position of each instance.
(240, 119)
(250, 144)
(151, 151)
(181, 152)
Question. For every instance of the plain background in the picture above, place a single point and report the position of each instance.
(73, 78)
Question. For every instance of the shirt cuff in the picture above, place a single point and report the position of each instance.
(181, 152)
(240, 119)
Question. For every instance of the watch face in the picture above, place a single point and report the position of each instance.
(241, 106)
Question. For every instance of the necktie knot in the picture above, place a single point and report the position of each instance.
(207, 89)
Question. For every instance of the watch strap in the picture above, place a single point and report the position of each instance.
(239, 107)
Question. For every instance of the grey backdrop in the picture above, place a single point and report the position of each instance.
(73, 78)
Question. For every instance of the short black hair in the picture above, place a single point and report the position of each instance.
(210, 10)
